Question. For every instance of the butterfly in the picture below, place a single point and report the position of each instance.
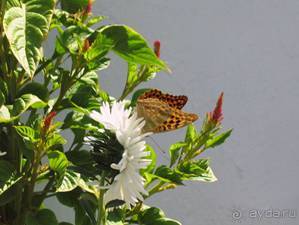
(162, 112)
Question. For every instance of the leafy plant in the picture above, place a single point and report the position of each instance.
(84, 172)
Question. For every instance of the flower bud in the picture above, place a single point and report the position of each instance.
(217, 115)
(157, 45)
(48, 120)
(89, 7)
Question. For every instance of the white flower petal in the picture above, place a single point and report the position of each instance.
(128, 185)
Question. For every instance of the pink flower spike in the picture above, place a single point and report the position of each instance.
(89, 7)
(217, 114)
(157, 45)
(48, 120)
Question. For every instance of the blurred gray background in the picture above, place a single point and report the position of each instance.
(250, 50)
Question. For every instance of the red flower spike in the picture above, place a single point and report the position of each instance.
(48, 119)
(89, 7)
(157, 45)
(217, 114)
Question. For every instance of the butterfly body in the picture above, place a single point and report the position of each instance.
(162, 112)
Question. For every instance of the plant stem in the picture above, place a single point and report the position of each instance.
(67, 86)
(32, 180)
(2, 11)
(101, 209)
(141, 77)
(155, 189)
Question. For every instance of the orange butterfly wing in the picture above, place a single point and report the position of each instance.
(174, 101)
(162, 112)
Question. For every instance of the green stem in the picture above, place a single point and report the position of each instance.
(197, 148)
(2, 11)
(101, 207)
(32, 181)
(141, 77)
(62, 94)
(67, 86)
(156, 188)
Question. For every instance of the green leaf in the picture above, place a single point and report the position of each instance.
(8, 177)
(174, 152)
(43, 216)
(2, 98)
(58, 161)
(12, 3)
(94, 20)
(167, 174)
(54, 140)
(84, 94)
(73, 37)
(197, 170)
(36, 89)
(125, 42)
(166, 221)
(132, 76)
(89, 203)
(30, 100)
(152, 157)
(80, 158)
(90, 79)
(99, 48)
(218, 140)
(73, 6)
(81, 218)
(25, 27)
(70, 198)
(114, 204)
(151, 213)
(191, 134)
(9, 113)
(137, 94)
(69, 181)
(98, 64)
(27, 133)
(4, 114)
(3, 88)
(115, 217)
(155, 216)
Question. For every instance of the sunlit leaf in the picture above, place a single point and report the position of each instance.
(25, 27)
(218, 140)
(125, 42)
(27, 133)
(198, 170)
(58, 161)
(9, 113)
(174, 152)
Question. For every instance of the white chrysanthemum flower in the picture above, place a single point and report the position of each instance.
(128, 185)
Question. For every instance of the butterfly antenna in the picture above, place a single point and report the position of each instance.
(159, 147)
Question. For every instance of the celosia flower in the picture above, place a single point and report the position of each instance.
(48, 120)
(157, 46)
(89, 7)
(217, 115)
(128, 184)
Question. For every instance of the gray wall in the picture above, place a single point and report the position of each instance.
(250, 50)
